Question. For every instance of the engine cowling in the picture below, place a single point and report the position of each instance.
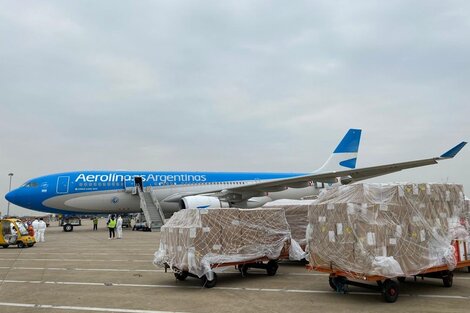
(202, 202)
(346, 180)
(254, 202)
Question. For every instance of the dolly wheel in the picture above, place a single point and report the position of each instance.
(390, 291)
(21, 244)
(448, 279)
(332, 284)
(209, 283)
(271, 268)
(181, 275)
(401, 279)
(243, 268)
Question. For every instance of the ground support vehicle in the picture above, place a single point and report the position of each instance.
(389, 288)
(209, 280)
(141, 226)
(14, 232)
(68, 222)
(126, 221)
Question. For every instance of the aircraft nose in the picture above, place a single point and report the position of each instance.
(11, 196)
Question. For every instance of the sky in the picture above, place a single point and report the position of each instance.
(231, 86)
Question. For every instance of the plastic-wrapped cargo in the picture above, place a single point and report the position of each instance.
(296, 216)
(194, 240)
(386, 229)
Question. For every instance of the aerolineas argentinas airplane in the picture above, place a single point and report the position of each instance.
(93, 192)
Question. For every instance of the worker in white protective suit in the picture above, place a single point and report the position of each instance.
(13, 234)
(41, 230)
(35, 228)
(119, 227)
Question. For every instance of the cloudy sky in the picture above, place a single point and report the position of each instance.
(231, 85)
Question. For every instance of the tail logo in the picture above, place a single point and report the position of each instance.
(351, 163)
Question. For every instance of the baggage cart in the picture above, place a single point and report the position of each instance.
(389, 288)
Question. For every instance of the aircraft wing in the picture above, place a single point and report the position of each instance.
(346, 176)
(352, 175)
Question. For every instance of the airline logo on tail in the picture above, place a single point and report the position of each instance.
(345, 154)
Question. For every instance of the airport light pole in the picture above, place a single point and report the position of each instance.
(9, 189)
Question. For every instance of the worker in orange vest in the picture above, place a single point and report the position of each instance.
(30, 230)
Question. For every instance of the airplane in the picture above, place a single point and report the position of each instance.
(106, 192)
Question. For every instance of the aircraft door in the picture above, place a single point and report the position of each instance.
(138, 182)
(63, 184)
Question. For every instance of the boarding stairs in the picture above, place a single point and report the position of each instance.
(151, 207)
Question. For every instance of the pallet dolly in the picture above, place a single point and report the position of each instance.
(209, 280)
(389, 288)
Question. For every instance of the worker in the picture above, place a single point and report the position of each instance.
(13, 234)
(95, 223)
(41, 230)
(12, 229)
(119, 227)
(111, 227)
(30, 229)
(35, 228)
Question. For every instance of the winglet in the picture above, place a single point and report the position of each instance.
(453, 152)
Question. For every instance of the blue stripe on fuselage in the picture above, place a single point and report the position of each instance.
(94, 181)
(111, 180)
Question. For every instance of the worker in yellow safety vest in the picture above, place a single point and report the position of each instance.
(112, 226)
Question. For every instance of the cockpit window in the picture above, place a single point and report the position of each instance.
(31, 184)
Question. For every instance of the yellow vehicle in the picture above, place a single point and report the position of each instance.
(14, 232)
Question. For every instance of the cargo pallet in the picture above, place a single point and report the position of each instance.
(339, 280)
(209, 280)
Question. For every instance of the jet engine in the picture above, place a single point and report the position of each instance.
(346, 180)
(202, 202)
(254, 202)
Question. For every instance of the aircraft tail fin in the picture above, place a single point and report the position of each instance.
(345, 155)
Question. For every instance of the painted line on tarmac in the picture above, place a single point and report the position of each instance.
(443, 297)
(79, 269)
(158, 271)
(74, 253)
(141, 270)
(456, 297)
(99, 248)
(75, 260)
(79, 308)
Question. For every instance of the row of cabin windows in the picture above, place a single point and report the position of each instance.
(110, 184)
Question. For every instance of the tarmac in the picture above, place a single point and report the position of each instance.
(84, 271)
